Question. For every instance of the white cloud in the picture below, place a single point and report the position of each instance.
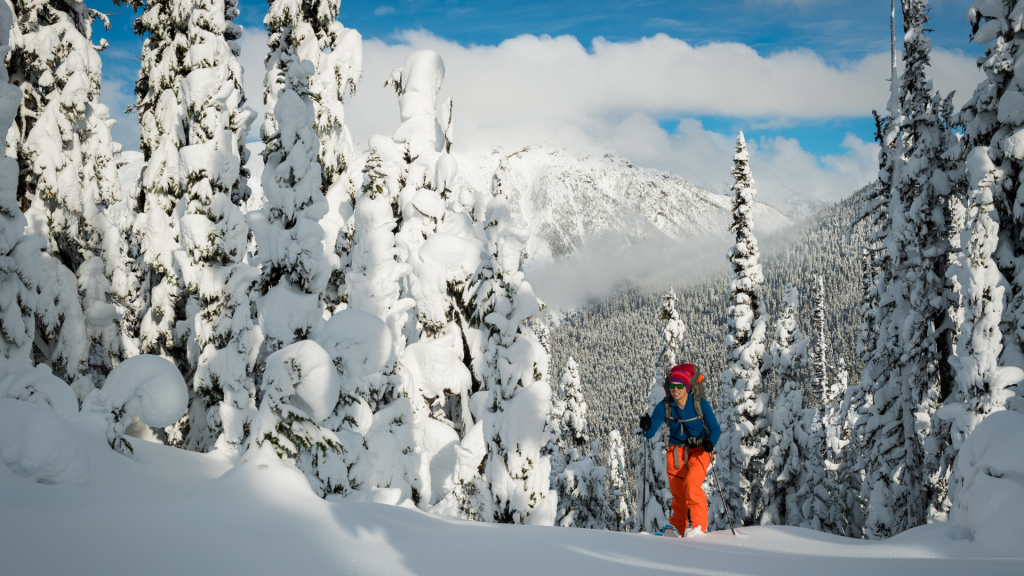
(384, 10)
(532, 89)
(540, 89)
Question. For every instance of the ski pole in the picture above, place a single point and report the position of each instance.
(728, 516)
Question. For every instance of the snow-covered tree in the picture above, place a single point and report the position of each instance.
(302, 371)
(983, 385)
(556, 449)
(338, 67)
(819, 351)
(295, 267)
(19, 260)
(70, 182)
(655, 507)
(819, 486)
(373, 279)
(741, 450)
(581, 494)
(990, 120)
(619, 519)
(838, 434)
(583, 481)
(164, 27)
(514, 370)
(849, 444)
(214, 235)
(784, 466)
(917, 329)
(574, 418)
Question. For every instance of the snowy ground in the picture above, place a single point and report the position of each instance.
(167, 511)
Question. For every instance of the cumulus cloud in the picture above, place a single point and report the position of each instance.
(609, 98)
(533, 89)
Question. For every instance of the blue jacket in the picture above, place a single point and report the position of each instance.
(689, 416)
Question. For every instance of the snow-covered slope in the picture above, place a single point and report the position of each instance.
(168, 511)
(566, 198)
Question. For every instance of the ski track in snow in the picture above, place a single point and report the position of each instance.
(167, 511)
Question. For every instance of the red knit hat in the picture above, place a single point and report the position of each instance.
(681, 374)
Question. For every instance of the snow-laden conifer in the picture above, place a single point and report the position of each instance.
(818, 486)
(581, 494)
(214, 234)
(514, 370)
(70, 182)
(655, 498)
(373, 286)
(849, 442)
(982, 384)
(992, 122)
(19, 253)
(295, 267)
(300, 388)
(784, 469)
(619, 519)
(909, 375)
(373, 279)
(819, 351)
(338, 67)
(164, 27)
(557, 449)
(740, 452)
(838, 434)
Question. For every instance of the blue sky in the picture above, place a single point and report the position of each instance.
(841, 38)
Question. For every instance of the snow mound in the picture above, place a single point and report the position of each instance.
(150, 387)
(357, 341)
(989, 505)
(317, 386)
(438, 441)
(39, 445)
(39, 386)
(453, 257)
(434, 370)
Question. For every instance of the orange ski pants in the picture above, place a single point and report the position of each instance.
(685, 482)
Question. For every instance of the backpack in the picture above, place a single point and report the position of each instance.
(697, 391)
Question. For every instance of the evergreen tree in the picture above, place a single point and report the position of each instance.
(295, 268)
(983, 385)
(158, 90)
(214, 235)
(989, 120)
(581, 495)
(373, 279)
(910, 383)
(819, 352)
(70, 185)
(514, 374)
(619, 519)
(19, 262)
(837, 437)
(740, 451)
(784, 467)
(819, 482)
(302, 371)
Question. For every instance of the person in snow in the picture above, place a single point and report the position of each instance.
(692, 433)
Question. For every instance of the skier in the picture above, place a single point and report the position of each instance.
(692, 433)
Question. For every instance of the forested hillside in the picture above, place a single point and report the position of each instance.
(616, 341)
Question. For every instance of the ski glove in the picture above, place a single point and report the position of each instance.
(645, 422)
(708, 446)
